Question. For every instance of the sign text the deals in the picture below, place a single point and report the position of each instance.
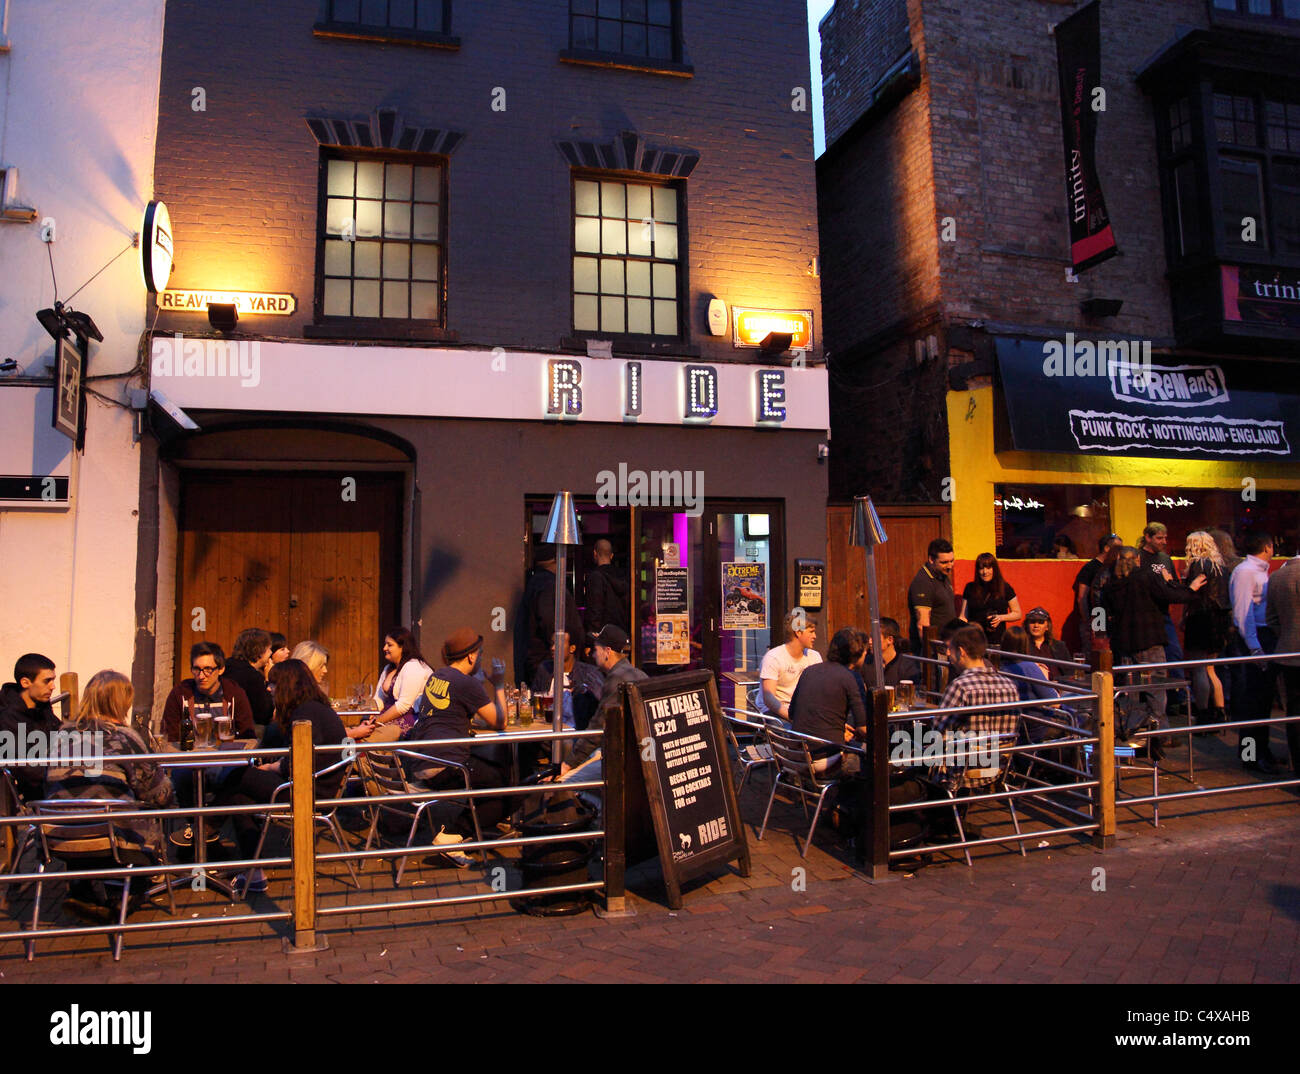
(677, 723)
(744, 596)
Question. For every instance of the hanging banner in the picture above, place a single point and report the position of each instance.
(1261, 296)
(1078, 57)
(744, 596)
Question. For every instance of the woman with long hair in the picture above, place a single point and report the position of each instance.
(401, 682)
(298, 696)
(989, 600)
(105, 719)
(1042, 644)
(316, 657)
(1206, 624)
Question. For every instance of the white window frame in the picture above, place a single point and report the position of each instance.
(11, 212)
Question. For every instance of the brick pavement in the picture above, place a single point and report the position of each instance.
(1213, 895)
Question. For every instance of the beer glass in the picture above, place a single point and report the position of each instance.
(225, 728)
(202, 730)
(892, 695)
(905, 694)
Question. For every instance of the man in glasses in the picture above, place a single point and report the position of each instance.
(210, 692)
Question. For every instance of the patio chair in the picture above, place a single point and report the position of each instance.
(978, 746)
(82, 844)
(796, 772)
(749, 743)
(389, 778)
(326, 815)
(12, 805)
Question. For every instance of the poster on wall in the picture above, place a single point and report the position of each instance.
(672, 615)
(744, 596)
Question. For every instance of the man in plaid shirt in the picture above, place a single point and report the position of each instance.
(977, 684)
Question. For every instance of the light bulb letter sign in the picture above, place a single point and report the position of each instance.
(563, 388)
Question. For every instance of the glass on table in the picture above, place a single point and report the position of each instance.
(202, 730)
(225, 728)
(905, 695)
(892, 697)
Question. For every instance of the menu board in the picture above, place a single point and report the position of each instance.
(677, 723)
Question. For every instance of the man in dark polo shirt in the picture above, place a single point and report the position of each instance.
(827, 702)
(897, 666)
(930, 599)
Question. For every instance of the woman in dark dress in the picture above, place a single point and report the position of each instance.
(989, 601)
(1206, 623)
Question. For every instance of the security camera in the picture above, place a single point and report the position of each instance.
(173, 411)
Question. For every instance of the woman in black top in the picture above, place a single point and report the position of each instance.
(1206, 623)
(1038, 628)
(989, 600)
(297, 697)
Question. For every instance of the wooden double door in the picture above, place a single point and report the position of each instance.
(313, 555)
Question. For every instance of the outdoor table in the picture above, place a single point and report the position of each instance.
(193, 759)
(513, 727)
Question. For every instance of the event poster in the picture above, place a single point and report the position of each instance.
(744, 596)
(672, 615)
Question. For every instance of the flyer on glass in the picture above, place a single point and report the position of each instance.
(744, 596)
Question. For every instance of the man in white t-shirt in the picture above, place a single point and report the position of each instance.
(783, 664)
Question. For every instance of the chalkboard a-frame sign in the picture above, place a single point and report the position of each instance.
(677, 750)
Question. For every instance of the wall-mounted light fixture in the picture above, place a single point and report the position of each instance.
(223, 316)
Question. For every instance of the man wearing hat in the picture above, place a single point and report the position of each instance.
(609, 650)
(452, 698)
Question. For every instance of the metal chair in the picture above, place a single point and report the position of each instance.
(749, 743)
(85, 843)
(978, 746)
(323, 816)
(389, 776)
(796, 772)
(14, 806)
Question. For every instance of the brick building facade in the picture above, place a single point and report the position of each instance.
(946, 246)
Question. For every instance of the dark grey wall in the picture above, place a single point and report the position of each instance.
(240, 177)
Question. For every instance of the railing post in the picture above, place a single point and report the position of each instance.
(873, 835)
(930, 672)
(302, 798)
(614, 798)
(1103, 685)
(68, 685)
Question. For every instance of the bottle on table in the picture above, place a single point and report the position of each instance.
(187, 727)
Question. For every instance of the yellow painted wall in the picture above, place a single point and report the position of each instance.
(976, 469)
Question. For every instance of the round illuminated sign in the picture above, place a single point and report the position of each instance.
(156, 247)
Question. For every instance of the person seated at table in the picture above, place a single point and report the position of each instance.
(249, 662)
(452, 699)
(583, 684)
(401, 682)
(298, 696)
(1038, 625)
(209, 692)
(279, 648)
(782, 664)
(105, 718)
(898, 665)
(1017, 640)
(317, 659)
(25, 709)
(827, 703)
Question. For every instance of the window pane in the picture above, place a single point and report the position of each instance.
(613, 199)
(666, 241)
(429, 17)
(1189, 227)
(424, 262)
(397, 220)
(1030, 518)
(1286, 205)
(1259, 7)
(399, 182)
(583, 7)
(666, 204)
(374, 12)
(665, 318)
(638, 315)
(611, 315)
(638, 202)
(613, 236)
(338, 258)
(1223, 105)
(428, 184)
(397, 302)
(1224, 132)
(611, 277)
(638, 278)
(640, 237)
(1226, 5)
(338, 298)
(660, 44)
(665, 281)
(401, 13)
(365, 298)
(341, 175)
(1291, 9)
(586, 198)
(368, 218)
(397, 260)
(338, 212)
(611, 9)
(347, 10)
(608, 35)
(424, 301)
(633, 39)
(584, 33)
(584, 275)
(1242, 199)
(661, 12)
(426, 222)
(586, 235)
(367, 260)
(586, 316)
(634, 9)
(370, 179)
